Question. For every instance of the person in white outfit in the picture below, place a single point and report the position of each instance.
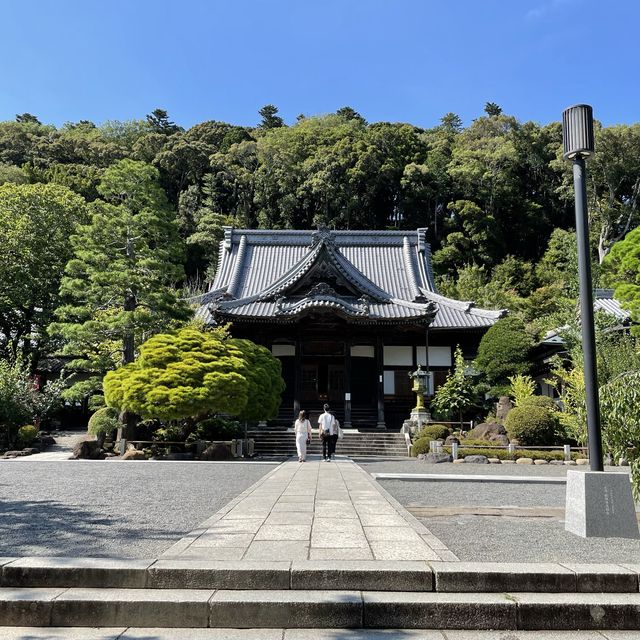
(303, 434)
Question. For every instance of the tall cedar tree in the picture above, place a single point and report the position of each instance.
(118, 287)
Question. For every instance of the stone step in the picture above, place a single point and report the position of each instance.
(263, 609)
(146, 633)
(369, 575)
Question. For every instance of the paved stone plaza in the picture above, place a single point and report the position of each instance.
(312, 511)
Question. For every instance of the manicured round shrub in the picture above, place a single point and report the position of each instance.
(531, 425)
(540, 401)
(433, 432)
(26, 435)
(421, 445)
(503, 351)
(103, 422)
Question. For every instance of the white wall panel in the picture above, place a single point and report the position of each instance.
(438, 356)
(398, 356)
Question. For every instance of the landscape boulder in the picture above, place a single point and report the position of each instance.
(503, 406)
(491, 432)
(216, 451)
(134, 454)
(88, 450)
(476, 459)
(435, 458)
(451, 440)
(524, 461)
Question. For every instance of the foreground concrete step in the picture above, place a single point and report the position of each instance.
(364, 575)
(274, 609)
(86, 633)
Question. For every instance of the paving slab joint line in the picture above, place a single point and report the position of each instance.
(418, 526)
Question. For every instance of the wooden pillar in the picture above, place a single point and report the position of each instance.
(297, 380)
(380, 381)
(347, 383)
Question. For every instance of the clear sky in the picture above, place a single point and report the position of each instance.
(392, 60)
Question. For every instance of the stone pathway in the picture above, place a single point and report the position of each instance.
(312, 511)
(62, 450)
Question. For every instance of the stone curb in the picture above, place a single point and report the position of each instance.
(173, 608)
(370, 575)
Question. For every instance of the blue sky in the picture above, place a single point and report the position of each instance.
(392, 60)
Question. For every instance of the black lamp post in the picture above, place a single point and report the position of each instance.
(578, 142)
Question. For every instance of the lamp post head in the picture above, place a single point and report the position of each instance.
(577, 132)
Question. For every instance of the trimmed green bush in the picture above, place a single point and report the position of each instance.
(26, 435)
(531, 425)
(433, 432)
(103, 422)
(217, 429)
(503, 351)
(503, 454)
(421, 445)
(540, 401)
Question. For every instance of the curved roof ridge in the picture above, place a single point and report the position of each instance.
(463, 305)
(236, 274)
(407, 258)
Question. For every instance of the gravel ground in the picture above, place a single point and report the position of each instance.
(109, 508)
(500, 538)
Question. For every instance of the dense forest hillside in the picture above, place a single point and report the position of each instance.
(496, 196)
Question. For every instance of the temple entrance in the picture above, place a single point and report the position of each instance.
(322, 382)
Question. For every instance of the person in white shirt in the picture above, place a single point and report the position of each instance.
(303, 434)
(328, 432)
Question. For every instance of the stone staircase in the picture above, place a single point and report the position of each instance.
(41, 593)
(354, 444)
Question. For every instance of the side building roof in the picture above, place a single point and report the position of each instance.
(386, 276)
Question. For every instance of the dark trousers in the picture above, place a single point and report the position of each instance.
(326, 445)
(332, 444)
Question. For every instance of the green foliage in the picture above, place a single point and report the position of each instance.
(421, 445)
(522, 388)
(540, 401)
(503, 351)
(36, 221)
(103, 421)
(620, 406)
(433, 432)
(26, 435)
(21, 401)
(531, 425)
(505, 454)
(118, 287)
(193, 373)
(457, 392)
(217, 428)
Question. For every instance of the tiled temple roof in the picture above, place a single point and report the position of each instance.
(383, 276)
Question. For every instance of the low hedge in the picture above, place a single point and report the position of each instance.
(421, 445)
(433, 432)
(503, 454)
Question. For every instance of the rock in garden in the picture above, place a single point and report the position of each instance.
(540, 461)
(12, 454)
(508, 462)
(503, 406)
(490, 431)
(134, 454)
(494, 461)
(451, 440)
(623, 462)
(420, 456)
(458, 461)
(30, 450)
(524, 461)
(475, 459)
(582, 461)
(557, 462)
(88, 450)
(216, 451)
(435, 458)
(569, 462)
(46, 440)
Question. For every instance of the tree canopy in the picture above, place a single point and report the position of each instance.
(193, 373)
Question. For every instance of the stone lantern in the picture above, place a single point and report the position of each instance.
(419, 413)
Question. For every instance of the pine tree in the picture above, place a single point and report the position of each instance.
(118, 288)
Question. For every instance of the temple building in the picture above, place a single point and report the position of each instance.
(348, 313)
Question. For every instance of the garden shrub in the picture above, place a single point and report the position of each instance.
(421, 445)
(217, 428)
(26, 435)
(531, 425)
(504, 454)
(540, 401)
(433, 432)
(103, 422)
